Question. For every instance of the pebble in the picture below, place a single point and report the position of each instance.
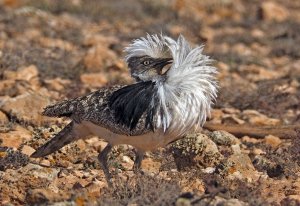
(27, 150)
(273, 141)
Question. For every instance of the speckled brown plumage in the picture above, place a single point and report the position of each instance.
(94, 107)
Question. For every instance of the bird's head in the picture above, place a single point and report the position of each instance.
(147, 57)
(145, 68)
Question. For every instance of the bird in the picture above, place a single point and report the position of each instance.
(160, 107)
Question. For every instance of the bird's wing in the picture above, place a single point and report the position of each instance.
(76, 108)
(118, 108)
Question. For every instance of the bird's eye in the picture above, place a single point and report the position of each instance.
(146, 62)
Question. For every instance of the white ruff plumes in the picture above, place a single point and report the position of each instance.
(189, 87)
(152, 45)
(187, 92)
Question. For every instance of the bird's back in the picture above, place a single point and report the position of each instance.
(98, 108)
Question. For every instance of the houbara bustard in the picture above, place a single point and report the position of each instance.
(158, 109)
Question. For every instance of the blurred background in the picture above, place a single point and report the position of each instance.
(255, 44)
(56, 49)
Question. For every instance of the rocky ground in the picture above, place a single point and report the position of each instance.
(56, 49)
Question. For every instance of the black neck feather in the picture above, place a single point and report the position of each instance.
(131, 102)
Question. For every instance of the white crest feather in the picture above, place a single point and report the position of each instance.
(187, 92)
(151, 45)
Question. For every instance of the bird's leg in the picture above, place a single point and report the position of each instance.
(138, 160)
(102, 157)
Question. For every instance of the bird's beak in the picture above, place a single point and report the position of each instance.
(161, 62)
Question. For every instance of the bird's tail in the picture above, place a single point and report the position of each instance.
(61, 109)
(64, 137)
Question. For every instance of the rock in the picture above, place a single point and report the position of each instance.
(95, 188)
(27, 108)
(256, 118)
(96, 143)
(57, 84)
(49, 174)
(221, 201)
(236, 149)
(56, 43)
(94, 79)
(273, 141)
(7, 87)
(98, 39)
(3, 118)
(127, 159)
(272, 168)
(45, 162)
(240, 166)
(232, 119)
(98, 58)
(151, 166)
(195, 149)
(254, 72)
(273, 11)
(81, 145)
(257, 33)
(231, 111)
(257, 151)
(248, 139)
(223, 138)
(209, 170)
(26, 73)
(16, 137)
(216, 116)
(27, 150)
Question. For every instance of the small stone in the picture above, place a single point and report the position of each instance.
(256, 118)
(223, 138)
(94, 189)
(236, 149)
(273, 141)
(257, 151)
(3, 119)
(248, 139)
(27, 150)
(7, 87)
(78, 173)
(232, 119)
(231, 111)
(127, 159)
(209, 170)
(257, 33)
(28, 73)
(99, 57)
(94, 79)
(98, 39)
(57, 84)
(81, 144)
(195, 149)
(47, 173)
(45, 162)
(273, 11)
(96, 143)
(56, 43)
(150, 166)
(16, 137)
(241, 167)
(27, 108)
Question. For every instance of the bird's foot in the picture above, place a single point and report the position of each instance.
(138, 162)
(102, 157)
